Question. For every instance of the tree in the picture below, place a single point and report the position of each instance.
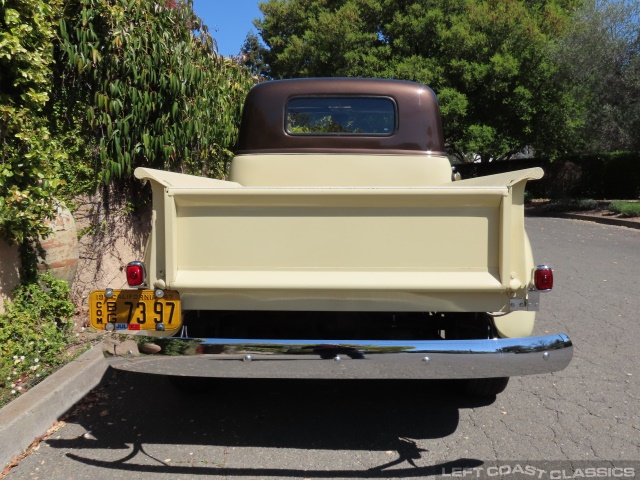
(145, 81)
(489, 62)
(92, 89)
(252, 55)
(600, 55)
(323, 38)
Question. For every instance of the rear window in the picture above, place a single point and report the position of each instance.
(340, 116)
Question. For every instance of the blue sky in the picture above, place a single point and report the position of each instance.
(229, 21)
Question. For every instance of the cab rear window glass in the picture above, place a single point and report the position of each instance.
(340, 116)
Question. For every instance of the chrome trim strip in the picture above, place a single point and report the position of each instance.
(371, 359)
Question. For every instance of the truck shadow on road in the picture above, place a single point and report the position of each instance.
(128, 411)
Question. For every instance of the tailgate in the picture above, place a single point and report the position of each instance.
(448, 248)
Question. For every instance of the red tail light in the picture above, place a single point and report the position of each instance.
(543, 278)
(136, 275)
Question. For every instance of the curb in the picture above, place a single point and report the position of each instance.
(619, 222)
(30, 415)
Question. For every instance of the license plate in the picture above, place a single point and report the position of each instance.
(135, 310)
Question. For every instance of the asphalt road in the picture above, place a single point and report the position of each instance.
(137, 427)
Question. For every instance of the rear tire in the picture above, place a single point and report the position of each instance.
(484, 387)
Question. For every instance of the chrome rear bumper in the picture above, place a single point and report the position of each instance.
(367, 359)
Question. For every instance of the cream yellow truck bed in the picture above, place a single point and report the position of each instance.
(457, 248)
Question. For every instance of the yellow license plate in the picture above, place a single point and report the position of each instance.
(130, 310)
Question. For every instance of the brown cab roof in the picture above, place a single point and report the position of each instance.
(419, 128)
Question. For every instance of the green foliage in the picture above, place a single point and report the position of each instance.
(489, 62)
(35, 330)
(319, 38)
(586, 204)
(155, 93)
(625, 209)
(28, 153)
(92, 89)
(252, 55)
(571, 205)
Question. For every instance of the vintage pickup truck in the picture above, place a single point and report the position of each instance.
(340, 247)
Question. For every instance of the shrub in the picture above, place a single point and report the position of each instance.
(27, 150)
(626, 209)
(571, 205)
(34, 331)
(586, 204)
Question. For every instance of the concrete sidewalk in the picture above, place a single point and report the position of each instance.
(33, 413)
